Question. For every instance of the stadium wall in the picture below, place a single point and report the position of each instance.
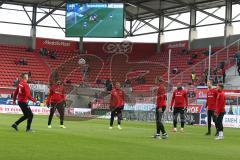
(214, 41)
(95, 47)
(15, 40)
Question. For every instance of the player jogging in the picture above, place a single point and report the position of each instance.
(160, 109)
(116, 104)
(211, 106)
(56, 100)
(22, 93)
(180, 103)
(220, 111)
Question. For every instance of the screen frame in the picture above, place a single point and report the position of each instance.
(73, 2)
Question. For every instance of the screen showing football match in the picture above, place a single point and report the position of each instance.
(99, 20)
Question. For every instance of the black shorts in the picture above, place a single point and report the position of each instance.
(27, 112)
(117, 110)
(162, 109)
(178, 110)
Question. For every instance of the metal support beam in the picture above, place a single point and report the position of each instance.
(33, 28)
(202, 20)
(2, 2)
(81, 49)
(228, 29)
(131, 27)
(148, 24)
(178, 21)
(138, 28)
(49, 13)
(192, 29)
(200, 10)
(27, 14)
(171, 22)
(160, 34)
(60, 27)
(210, 14)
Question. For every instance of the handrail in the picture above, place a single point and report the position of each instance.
(202, 61)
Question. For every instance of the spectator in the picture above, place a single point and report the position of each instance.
(16, 61)
(98, 81)
(43, 52)
(108, 85)
(190, 61)
(193, 77)
(141, 80)
(175, 70)
(53, 55)
(184, 51)
(194, 56)
(29, 74)
(230, 112)
(223, 74)
(68, 81)
(128, 83)
(203, 80)
(29, 50)
(23, 61)
(219, 75)
(238, 70)
(191, 91)
(90, 104)
(238, 62)
(15, 83)
(206, 75)
(85, 71)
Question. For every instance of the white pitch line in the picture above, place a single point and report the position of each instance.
(94, 28)
(98, 24)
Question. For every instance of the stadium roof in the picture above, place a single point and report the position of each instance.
(136, 9)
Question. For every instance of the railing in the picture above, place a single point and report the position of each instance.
(225, 55)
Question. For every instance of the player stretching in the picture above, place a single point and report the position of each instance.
(220, 111)
(211, 106)
(116, 104)
(23, 94)
(180, 103)
(56, 100)
(160, 109)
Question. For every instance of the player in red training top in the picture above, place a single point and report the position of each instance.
(117, 102)
(180, 103)
(160, 109)
(56, 100)
(22, 93)
(211, 105)
(220, 111)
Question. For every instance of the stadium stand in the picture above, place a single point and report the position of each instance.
(10, 55)
(102, 65)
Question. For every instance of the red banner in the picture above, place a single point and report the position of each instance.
(56, 44)
(174, 45)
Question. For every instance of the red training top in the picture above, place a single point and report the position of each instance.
(179, 99)
(23, 93)
(161, 97)
(56, 94)
(221, 102)
(211, 99)
(117, 98)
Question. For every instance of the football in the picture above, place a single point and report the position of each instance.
(81, 61)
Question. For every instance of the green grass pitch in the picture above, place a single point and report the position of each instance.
(103, 27)
(91, 140)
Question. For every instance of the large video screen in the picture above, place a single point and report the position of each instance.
(99, 20)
